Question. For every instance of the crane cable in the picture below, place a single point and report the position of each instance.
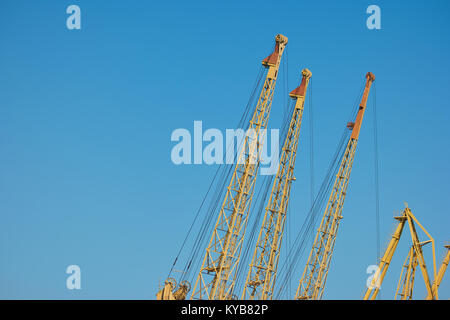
(311, 169)
(306, 233)
(311, 142)
(200, 242)
(376, 172)
(306, 230)
(251, 241)
(264, 188)
(225, 172)
(261, 201)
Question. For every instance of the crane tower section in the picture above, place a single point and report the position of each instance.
(312, 282)
(217, 275)
(263, 267)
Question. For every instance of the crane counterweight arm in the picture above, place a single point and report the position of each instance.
(263, 267)
(312, 282)
(217, 275)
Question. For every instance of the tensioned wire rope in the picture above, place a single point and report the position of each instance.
(206, 228)
(306, 231)
(219, 179)
(263, 196)
(264, 189)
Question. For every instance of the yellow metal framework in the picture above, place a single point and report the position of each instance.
(406, 281)
(263, 267)
(217, 275)
(415, 257)
(312, 282)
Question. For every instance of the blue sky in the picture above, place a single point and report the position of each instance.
(86, 117)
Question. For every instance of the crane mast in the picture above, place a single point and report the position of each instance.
(217, 275)
(263, 267)
(312, 282)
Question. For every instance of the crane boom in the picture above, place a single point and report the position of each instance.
(263, 267)
(312, 283)
(216, 278)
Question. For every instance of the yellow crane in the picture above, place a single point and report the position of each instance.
(406, 281)
(440, 274)
(217, 275)
(375, 284)
(414, 258)
(263, 267)
(312, 282)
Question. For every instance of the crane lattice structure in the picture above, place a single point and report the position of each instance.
(216, 279)
(263, 267)
(217, 275)
(312, 282)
